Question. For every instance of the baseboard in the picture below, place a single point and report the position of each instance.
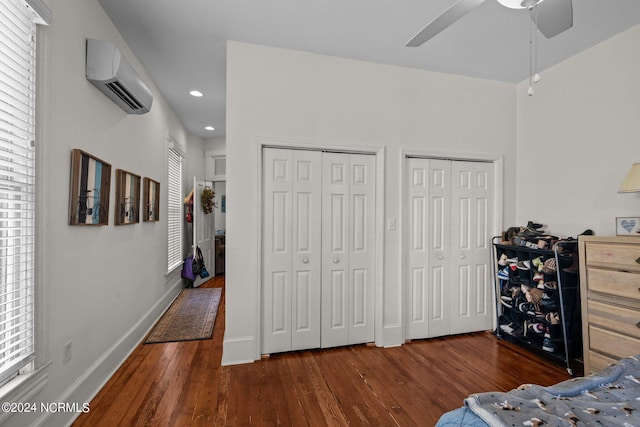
(391, 336)
(236, 351)
(87, 386)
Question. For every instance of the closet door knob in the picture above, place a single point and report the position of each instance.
(440, 257)
(336, 260)
(462, 256)
(305, 260)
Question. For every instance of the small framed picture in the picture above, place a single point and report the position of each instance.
(628, 226)
(151, 200)
(127, 209)
(89, 192)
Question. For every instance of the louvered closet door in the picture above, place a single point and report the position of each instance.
(449, 219)
(348, 248)
(471, 213)
(291, 250)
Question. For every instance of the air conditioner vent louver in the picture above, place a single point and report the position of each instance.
(117, 88)
(110, 72)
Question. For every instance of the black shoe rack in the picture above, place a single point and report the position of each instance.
(546, 320)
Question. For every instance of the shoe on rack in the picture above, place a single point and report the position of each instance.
(503, 274)
(506, 300)
(547, 344)
(538, 263)
(523, 265)
(503, 260)
(553, 318)
(549, 266)
(551, 285)
(534, 326)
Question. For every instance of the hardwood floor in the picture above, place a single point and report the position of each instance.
(183, 384)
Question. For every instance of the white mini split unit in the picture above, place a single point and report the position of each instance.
(110, 72)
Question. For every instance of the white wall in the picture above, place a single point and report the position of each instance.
(104, 286)
(303, 98)
(577, 138)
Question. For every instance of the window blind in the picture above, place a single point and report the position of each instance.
(17, 185)
(174, 209)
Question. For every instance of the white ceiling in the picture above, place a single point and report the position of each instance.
(182, 43)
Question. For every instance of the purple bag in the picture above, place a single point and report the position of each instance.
(187, 269)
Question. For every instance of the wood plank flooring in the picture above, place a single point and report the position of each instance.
(183, 384)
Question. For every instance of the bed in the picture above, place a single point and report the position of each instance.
(610, 397)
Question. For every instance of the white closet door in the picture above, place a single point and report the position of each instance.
(471, 213)
(348, 248)
(418, 206)
(439, 247)
(291, 250)
(449, 216)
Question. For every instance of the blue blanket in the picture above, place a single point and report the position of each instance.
(609, 398)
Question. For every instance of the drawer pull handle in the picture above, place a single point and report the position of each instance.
(638, 324)
(638, 260)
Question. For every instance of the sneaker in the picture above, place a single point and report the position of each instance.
(503, 274)
(550, 285)
(503, 260)
(536, 327)
(547, 344)
(553, 318)
(538, 263)
(549, 266)
(507, 328)
(507, 301)
(524, 265)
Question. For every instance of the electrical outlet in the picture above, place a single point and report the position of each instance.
(67, 352)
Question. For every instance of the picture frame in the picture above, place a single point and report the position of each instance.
(627, 226)
(89, 191)
(127, 203)
(150, 200)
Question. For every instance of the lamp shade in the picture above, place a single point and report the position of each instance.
(631, 183)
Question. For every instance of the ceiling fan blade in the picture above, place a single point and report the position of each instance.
(554, 16)
(448, 17)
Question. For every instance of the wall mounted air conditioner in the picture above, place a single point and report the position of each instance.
(110, 72)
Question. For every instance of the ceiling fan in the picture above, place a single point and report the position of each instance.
(552, 17)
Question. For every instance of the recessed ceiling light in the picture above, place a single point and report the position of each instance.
(209, 128)
(196, 93)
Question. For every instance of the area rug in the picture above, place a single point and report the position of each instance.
(191, 316)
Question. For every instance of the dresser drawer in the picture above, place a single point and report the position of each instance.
(598, 362)
(619, 319)
(612, 343)
(616, 283)
(609, 253)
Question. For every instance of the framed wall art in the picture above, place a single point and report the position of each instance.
(628, 226)
(127, 206)
(89, 192)
(150, 200)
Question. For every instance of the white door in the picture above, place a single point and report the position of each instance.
(202, 229)
(471, 216)
(348, 248)
(449, 216)
(291, 250)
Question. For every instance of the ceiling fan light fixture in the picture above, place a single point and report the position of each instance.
(519, 4)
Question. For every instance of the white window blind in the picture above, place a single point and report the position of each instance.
(17, 185)
(174, 209)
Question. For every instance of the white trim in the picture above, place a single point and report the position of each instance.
(301, 144)
(236, 349)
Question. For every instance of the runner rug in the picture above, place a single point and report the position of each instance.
(191, 316)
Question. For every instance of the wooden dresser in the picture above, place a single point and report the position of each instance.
(610, 294)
